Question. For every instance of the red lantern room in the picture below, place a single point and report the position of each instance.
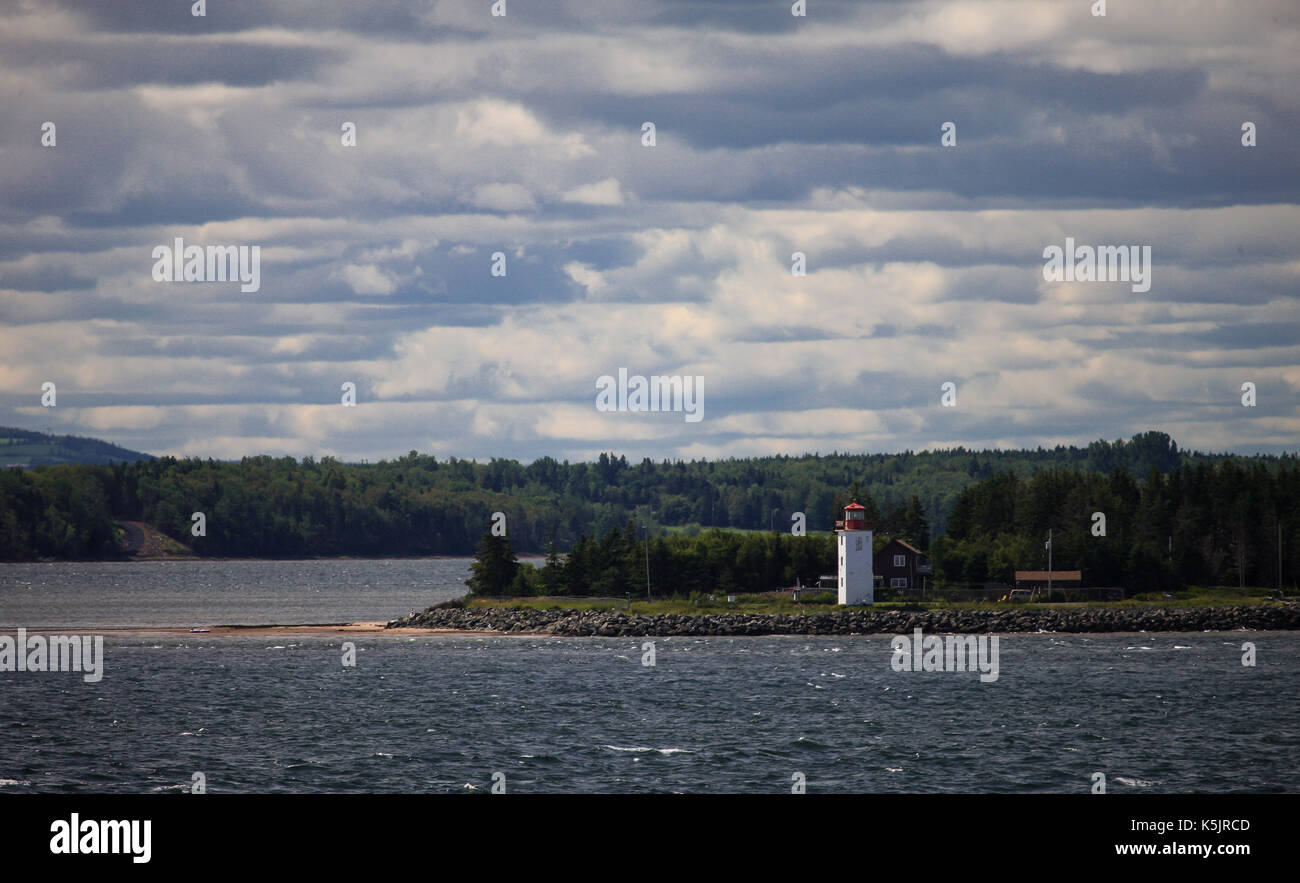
(855, 518)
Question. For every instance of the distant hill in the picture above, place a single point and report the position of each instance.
(23, 447)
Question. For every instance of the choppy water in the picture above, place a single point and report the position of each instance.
(188, 593)
(1153, 712)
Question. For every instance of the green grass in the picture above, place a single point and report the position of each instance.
(743, 604)
(1203, 596)
(1198, 596)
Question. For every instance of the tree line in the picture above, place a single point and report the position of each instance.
(1214, 523)
(622, 563)
(1211, 523)
(421, 505)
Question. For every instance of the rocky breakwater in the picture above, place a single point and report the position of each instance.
(858, 621)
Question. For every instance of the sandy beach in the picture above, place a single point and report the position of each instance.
(325, 629)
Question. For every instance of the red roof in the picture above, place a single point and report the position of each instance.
(854, 506)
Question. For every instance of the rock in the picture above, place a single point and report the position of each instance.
(575, 623)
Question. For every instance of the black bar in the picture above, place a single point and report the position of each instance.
(654, 834)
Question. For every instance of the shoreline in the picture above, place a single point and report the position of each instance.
(569, 622)
(370, 629)
(364, 627)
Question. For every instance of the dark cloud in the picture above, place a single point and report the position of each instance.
(223, 16)
(892, 96)
(97, 66)
(49, 279)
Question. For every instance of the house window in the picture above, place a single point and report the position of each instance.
(900, 560)
(898, 582)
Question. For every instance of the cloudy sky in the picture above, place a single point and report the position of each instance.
(523, 135)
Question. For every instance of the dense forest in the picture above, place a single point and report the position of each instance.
(420, 505)
(416, 505)
(1208, 524)
(1221, 523)
(622, 563)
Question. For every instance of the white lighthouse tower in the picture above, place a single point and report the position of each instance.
(857, 582)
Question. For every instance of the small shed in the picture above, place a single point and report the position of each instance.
(1038, 579)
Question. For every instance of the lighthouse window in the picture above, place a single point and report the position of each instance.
(859, 547)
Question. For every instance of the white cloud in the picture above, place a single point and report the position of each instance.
(585, 276)
(607, 192)
(368, 279)
(502, 198)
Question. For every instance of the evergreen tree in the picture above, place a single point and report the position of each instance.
(860, 496)
(550, 581)
(494, 567)
(915, 528)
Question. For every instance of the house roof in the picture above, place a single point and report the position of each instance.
(907, 545)
(1043, 574)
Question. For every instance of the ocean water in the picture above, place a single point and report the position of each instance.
(1155, 713)
(190, 593)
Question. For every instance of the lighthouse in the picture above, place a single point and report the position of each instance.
(853, 535)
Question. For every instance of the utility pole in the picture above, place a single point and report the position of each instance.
(1049, 564)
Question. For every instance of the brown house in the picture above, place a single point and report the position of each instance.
(900, 565)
